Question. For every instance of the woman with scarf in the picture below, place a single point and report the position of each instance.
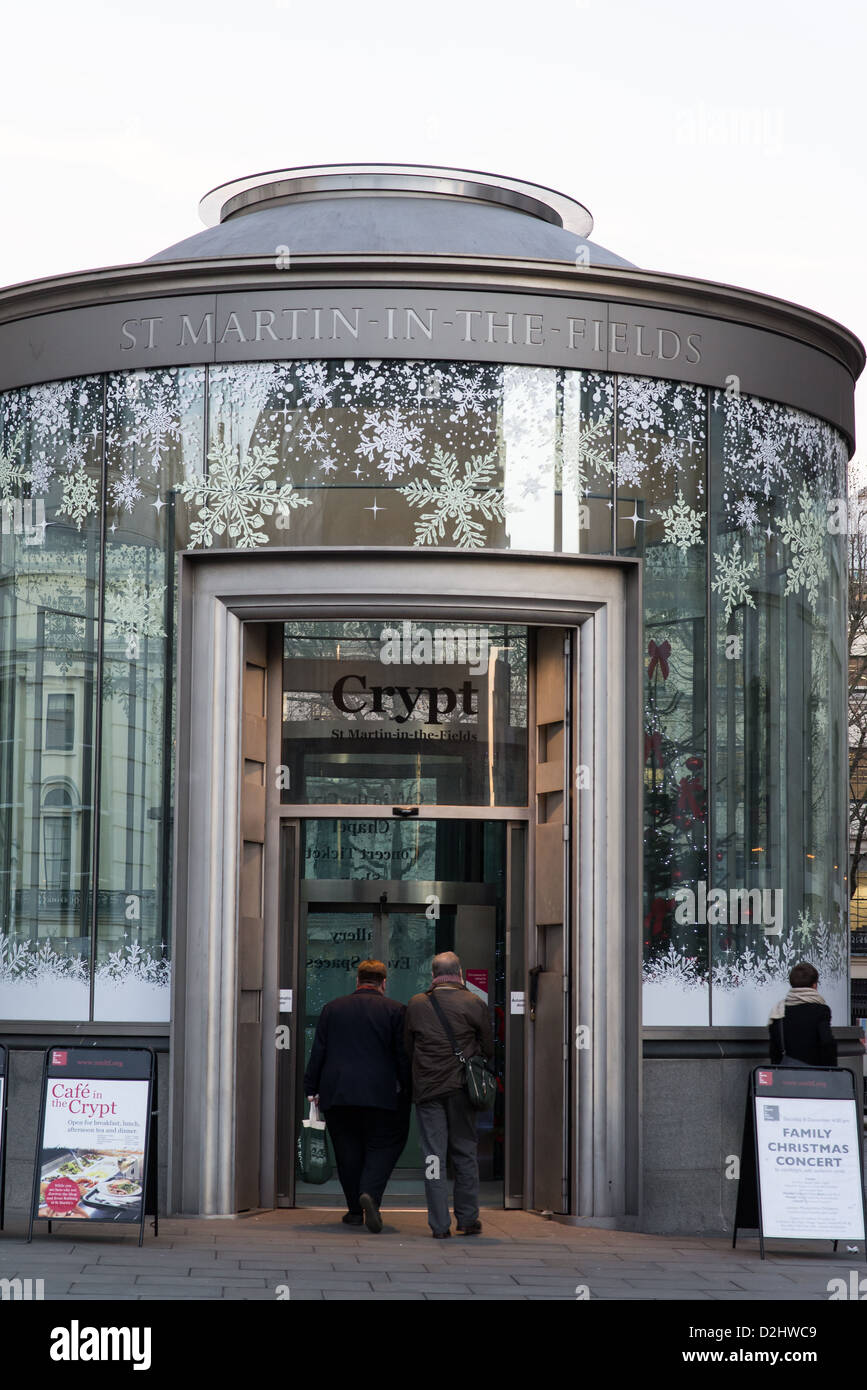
(800, 1024)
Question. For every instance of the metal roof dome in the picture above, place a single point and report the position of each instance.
(391, 209)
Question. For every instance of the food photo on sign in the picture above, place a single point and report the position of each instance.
(84, 1184)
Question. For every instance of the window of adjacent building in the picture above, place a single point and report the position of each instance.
(60, 723)
(57, 838)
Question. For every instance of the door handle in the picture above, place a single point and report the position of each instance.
(534, 990)
(404, 811)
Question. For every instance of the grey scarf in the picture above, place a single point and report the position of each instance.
(795, 996)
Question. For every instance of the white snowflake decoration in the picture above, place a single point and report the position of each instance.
(392, 436)
(125, 492)
(469, 395)
(49, 405)
(455, 497)
(731, 583)
(40, 475)
(312, 435)
(588, 452)
(766, 459)
(247, 386)
(804, 931)
(806, 541)
(156, 424)
(670, 455)
(236, 495)
(316, 389)
(640, 402)
(136, 609)
(80, 497)
(746, 514)
(682, 524)
(630, 467)
(11, 473)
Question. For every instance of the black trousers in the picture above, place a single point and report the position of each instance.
(367, 1144)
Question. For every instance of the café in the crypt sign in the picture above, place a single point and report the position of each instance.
(92, 1157)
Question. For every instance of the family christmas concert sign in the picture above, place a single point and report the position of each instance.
(801, 1163)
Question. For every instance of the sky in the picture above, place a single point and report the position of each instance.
(718, 141)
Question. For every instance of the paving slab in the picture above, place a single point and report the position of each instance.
(519, 1257)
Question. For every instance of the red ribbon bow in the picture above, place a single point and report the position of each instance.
(653, 746)
(655, 918)
(690, 800)
(658, 655)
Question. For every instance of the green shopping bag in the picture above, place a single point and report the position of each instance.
(314, 1159)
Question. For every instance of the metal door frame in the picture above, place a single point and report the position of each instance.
(219, 591)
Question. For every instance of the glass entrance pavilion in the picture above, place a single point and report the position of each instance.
(391, 567)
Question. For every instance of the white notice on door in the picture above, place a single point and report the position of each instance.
(517, 1001)
(285, 1001)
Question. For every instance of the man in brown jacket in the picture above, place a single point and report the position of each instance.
(446, 1120)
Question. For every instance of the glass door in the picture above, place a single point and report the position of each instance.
(362, 910)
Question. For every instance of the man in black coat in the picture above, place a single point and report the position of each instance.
(359, 1074)
(800, 1024)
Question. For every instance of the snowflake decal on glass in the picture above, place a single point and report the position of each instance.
(11, 473)
(49, 405)
(670, 455)
(630, 467)
(806, 541)
(455, 497)
(746, 514)
(236, 494)
(312, 435)
(40, 475)
(80, 497)
(156, 424)
(393, 437)
(136, 609)
(682, 524)
(316, 389)
(125, 492)
(641, 402)
(731, 583)
(588, 453)
(469, 395)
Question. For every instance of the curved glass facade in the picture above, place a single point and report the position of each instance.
(725, 498)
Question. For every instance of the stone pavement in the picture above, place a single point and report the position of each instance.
(313, 1256)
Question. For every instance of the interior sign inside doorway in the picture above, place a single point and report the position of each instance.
(411, 644)
(429, 703)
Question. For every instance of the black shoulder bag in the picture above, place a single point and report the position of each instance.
(787, 1060)
(480, 1081)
